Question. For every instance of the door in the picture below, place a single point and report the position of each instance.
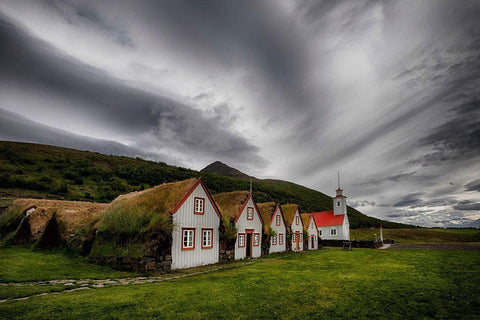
(249, 245)
(312, 246)
(297, 238)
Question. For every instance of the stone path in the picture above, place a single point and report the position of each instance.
(72, 285)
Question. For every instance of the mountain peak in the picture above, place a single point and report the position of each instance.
(222, 169)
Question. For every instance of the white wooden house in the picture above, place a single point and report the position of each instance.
(243, 212)
(334, 225)
(195, 218)
(274, 226)
(312, 231)
(294, 222)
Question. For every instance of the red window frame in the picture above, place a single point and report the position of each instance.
(277, 219)
(195, 205)
(300, 237)
(294, 238)
(257, 235)
(274, 240)
(183, 238)
(241, 235)
(249, 209)
(280, 238)
(211, 238)
(297, 220)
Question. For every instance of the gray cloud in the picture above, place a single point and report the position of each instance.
(473, 185)
(467, 205)
(410, 200)
(152, 121)
(363, 203)
(393, 178)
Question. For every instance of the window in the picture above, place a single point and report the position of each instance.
(320, 233)
(297, 220)
(333, 232)
(280, 238)
(188, 242)
(294, 237)
(256, 239)
(300, 237)
(274, 239)
(241, 239)
(249, 213)
(207, 236)
(199, 205)
(338, 203)
(277, 218)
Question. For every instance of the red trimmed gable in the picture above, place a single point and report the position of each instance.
(327, 218)
(199, 181)
(256, 209)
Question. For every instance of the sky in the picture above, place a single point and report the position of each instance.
(385, 92)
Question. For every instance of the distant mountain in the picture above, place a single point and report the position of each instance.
(42, 171)
(222, 169)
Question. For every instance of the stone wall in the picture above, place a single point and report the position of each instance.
(226, 252)
(138, 264)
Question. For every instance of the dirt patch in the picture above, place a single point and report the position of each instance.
(435, 246)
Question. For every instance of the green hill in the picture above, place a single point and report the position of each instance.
(41, 171)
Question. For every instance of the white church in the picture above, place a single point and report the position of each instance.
(333, 225)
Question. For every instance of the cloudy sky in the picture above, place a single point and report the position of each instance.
(386, 92)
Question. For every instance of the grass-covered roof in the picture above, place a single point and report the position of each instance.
(73, 215)
(306, 220)
(266, 211)
(230, 203)
(289, 212)
(161, 199)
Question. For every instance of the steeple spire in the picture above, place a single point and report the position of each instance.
(338, 175)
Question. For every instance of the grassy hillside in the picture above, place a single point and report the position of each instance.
(33, 170)
(323, 284)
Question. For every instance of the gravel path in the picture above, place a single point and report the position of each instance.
(85, 284)
(436, 246)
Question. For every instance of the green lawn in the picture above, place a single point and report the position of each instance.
(18, 264)
(419, 235)
(333, 284)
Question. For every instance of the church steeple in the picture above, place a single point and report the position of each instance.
(340, 201)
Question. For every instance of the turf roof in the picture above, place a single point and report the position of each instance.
(161, 199)
(231, 203)
(289, 212)
(267, 209)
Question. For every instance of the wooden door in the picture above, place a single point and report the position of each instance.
(313, 242)
(249, 245)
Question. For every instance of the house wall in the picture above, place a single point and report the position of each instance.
(281, 229)
(343, 232)
(312, 231)
(243, 224)
(297, 228)
(185, 218)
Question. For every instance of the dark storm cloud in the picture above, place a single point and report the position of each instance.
(473, 185)
(467, 205)
(409, 200)
(32, 64)
(394, 178)
(17, 128)
(456, 139)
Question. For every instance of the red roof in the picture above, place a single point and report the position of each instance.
(327, 218)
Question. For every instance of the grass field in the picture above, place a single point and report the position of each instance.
(419, 235)
(331, 284)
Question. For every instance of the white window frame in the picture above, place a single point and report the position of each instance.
(277, 219)
(249, 213)
(241, 240)
(207, 242)
(199, 205)
(188, 238)
(256, 239)
(297, 220)
(333, 232)
(294, 238)
(274, 240)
